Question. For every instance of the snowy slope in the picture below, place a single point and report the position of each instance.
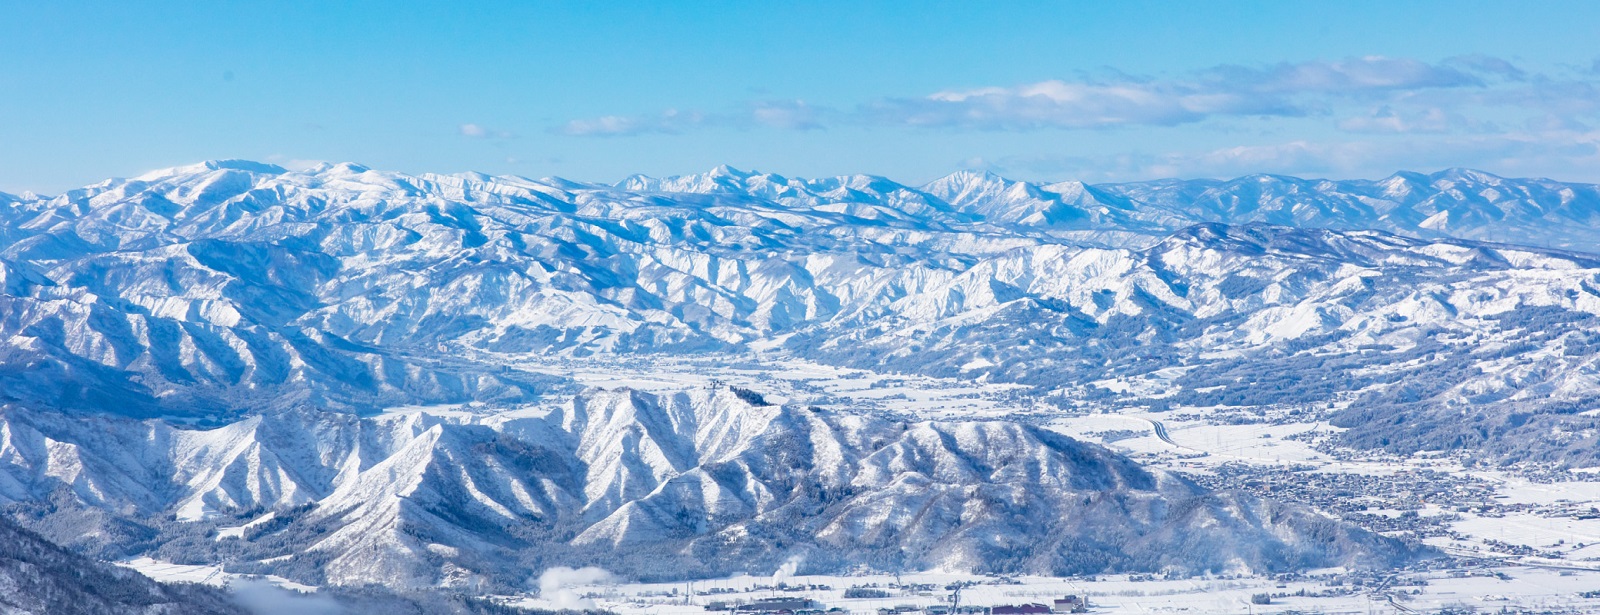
(212, 290)
(658, 486)
(250, 300)
(1459, 203)
(40, 578)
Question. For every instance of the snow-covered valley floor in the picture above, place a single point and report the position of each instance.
(1487, 589)
(1321, 592)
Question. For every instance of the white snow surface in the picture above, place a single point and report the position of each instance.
(231, 286)
(694, 483)
(171, 345)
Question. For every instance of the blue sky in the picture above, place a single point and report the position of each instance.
(596, 91)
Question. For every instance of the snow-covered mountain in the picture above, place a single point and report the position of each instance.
(227, 287)
(1459, 203)
(251, 300)
(1455, 203)
(658, 486)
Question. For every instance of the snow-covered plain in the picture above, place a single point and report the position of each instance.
(1559, 507)
(1328, 591)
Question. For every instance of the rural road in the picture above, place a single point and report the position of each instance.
(1161, 432)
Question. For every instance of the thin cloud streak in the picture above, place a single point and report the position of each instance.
(1387, 120)
(1281, 90)
(478, 131)
(1351, 117)
(671, 121)
(1570, 154)
(782, 114)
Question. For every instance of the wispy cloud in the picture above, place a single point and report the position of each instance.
(785, 114)
(1385, 119)
(479, 131)
(671, 121)
(1283, 90)
(1355, 75)
(1062, 104)
(1107, 101)
(791, 114)
(1487, 65)
(1559, 152)
(1354, 116)
(264, 598)
(293, 164)
(557, 585)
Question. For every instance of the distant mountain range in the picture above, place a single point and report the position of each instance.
(226, 287)
(251, 300)
(1455, 203)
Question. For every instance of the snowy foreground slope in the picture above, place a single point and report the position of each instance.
(689, 485)
(40, 578)
(194, 363)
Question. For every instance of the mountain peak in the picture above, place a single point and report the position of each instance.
(213, 165)
(723, 170)
(232, 292)
(338, 168)
(965, 177)
(1462, 174)
(967, 184)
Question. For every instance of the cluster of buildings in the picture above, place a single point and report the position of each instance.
(1065, 604)
(775, 606)
(1069, 603)
(807, 606)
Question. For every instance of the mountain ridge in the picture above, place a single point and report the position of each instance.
(226, 343)
(1455, 202)
(693, 484)
(214, 288)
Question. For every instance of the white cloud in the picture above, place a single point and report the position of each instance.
(1364, 74)
(784, 114)
(671, 121)
(1280, 90)
(1565, 154)
(263, 598)
(1386, 119)
(557, 586)
(791, 114)
(788, 569)
(1061, 104)
(1487, 65)
(479, 131)
(294, 164)
(1394, 113)
(609, 125)
(1283, 90)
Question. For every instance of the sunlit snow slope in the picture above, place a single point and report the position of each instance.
(694, 484)
(281, 311)
(222, 288)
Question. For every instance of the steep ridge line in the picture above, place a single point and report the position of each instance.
(701, 483)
